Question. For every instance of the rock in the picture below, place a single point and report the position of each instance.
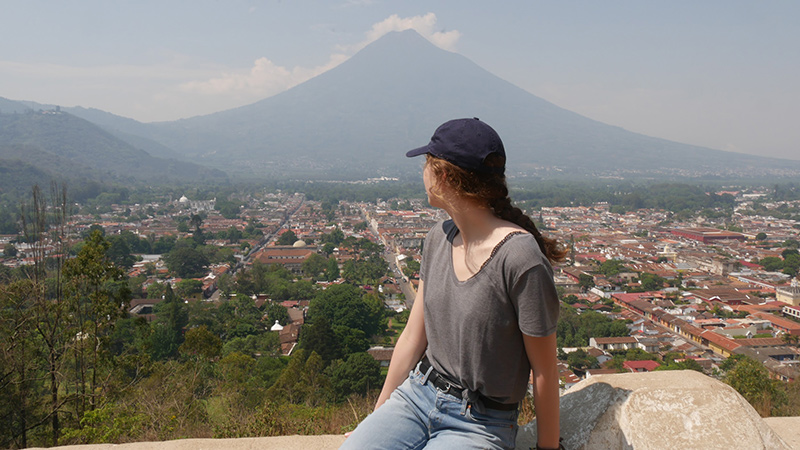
(657, 410)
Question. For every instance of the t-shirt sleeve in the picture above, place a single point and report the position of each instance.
(423, 266)
(536, 301)
(434, 236)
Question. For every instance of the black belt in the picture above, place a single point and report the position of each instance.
(448, 387)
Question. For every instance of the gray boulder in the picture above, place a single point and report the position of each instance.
(657, 410)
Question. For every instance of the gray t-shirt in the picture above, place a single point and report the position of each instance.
(474, 327)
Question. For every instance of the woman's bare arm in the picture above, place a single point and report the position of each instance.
(541, 353)
(408, 350)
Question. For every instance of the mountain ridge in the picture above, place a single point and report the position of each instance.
(390, 97)
(357, 119)
(68, 146)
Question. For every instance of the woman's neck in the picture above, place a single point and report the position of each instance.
(475, 223)
(479, 232)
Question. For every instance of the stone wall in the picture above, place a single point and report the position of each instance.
(657, 410)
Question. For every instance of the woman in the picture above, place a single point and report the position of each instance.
(484, 315)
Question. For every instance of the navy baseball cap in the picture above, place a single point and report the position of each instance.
(465, 143)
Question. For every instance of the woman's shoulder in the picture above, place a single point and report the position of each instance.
(522, 250)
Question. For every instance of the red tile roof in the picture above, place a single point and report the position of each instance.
(641, 366)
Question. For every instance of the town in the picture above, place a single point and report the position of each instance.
(642, 289)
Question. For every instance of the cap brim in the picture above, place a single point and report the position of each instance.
(417, 151)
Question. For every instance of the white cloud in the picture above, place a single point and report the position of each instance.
(179, 86)
(266, 78)
(424, 25)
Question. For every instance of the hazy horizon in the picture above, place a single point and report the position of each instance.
(716, 74)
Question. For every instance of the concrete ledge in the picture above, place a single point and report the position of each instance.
(261, 443)
(788, 428)
(657, 410)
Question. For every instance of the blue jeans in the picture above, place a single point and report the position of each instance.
(417, 415)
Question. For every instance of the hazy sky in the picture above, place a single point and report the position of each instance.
(723, 74)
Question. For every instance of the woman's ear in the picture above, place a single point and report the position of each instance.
(442, 176)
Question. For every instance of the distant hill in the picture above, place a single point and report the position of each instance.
(70, 147)
(11, 107)
(17, 177)
(128, 130)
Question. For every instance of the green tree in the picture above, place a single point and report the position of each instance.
(611, 267)
(772, 264)
(263, 344)
(574, 330)
(335, 238)
(650, 282)
(276, 311)
(302, 381)
(365, 270)
(19, 364)
(319, 337)
(287, 238)
(585, 281)
(92, 228)
(241, 389)
(167, 330)
(199, 342)
(791, 265)
(580, 361)
(345, 305)
(188, 288)
(164, 244)
(332, 269)
(98, 293)
(234, 235)
(350, 340)
(411, 269)
(50, 311)
(241, 317)
(186, 262)
(359, 373)
(120, 252)
(228, 209)
(156, 290)
(686, 364)
(327, 248)
(751, 379)
(314, 265)
(10, 250)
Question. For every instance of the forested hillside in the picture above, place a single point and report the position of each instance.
(74, 148)
(75, 367)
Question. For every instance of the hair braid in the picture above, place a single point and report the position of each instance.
(491, 189)
(504, 209)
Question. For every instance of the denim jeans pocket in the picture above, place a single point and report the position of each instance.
(501, 424)
(493, 417)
